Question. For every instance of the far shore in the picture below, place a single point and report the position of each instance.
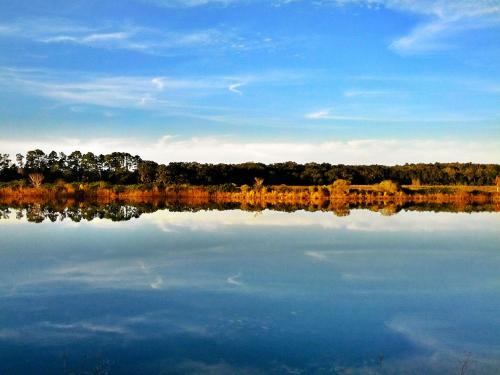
(261, 195)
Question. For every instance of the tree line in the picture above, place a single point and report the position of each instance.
(126, 169)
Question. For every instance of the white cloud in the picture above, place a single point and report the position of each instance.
(234, 88)
(224, 149)
(159, 82)
(357, 221)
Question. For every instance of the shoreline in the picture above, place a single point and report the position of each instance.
(447, 198)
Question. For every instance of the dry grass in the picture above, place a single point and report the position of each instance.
(262, 195)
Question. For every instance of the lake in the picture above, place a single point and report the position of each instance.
(240, 292)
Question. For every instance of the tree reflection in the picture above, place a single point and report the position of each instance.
(76, 211)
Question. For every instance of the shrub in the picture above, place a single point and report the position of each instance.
(340, 186)
(388, 186)
(70, 188)
(415, 182)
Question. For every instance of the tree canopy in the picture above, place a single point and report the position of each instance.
(124, 168)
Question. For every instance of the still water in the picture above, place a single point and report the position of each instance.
(236, 292)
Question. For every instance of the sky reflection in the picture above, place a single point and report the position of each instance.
(239, 292)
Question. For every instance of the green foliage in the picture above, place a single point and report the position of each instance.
(163, 175)
(147, 171)
(126, 169)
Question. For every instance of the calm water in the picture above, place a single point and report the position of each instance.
(235, 292)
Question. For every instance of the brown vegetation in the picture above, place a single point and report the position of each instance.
(337, 196)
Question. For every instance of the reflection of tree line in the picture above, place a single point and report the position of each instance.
(39, 211)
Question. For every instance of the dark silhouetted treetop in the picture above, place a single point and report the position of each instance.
(124, 168)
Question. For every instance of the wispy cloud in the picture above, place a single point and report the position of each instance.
(440, 338)
(157, 283)
(444, 20)
(43, 27)
(174, 96)
(89, 39)
(140, 92)
(192, 3)
(234, 87)
(392, 115)
(447, 18)
(137, 38)
(234, 280)
(406, 84)
(370, 94)
(87, 326)
(317, 256)
(329, 114)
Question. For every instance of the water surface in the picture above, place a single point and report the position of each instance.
(236, 292)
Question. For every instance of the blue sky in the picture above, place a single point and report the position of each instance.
(352, 81)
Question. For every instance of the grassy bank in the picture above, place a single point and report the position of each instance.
(385, 192)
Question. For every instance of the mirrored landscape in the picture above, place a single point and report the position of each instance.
(178, 288)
